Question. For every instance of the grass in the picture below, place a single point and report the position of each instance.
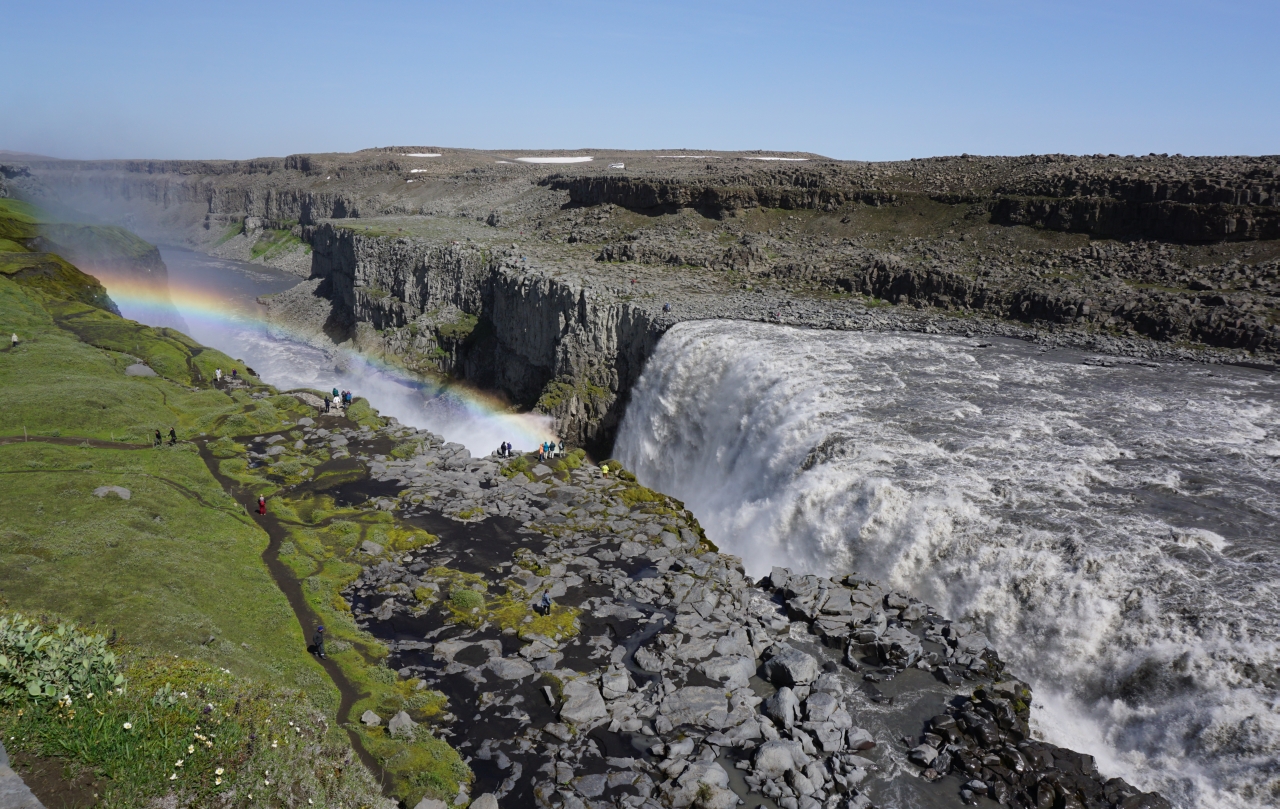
(157, 567)
(181, 728)
(272, 243)
(174, 573)
(59, 384)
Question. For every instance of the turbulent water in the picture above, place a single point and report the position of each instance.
(1114, 528)
(216, 303)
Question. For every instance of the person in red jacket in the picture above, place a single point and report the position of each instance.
(262, 504)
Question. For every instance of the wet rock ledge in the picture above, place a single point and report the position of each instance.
(665, 677)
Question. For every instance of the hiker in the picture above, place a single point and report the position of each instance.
(347, 398)
(14, 342)
(336, 402)
(159, 439)
(335, 393)
(327, 404)
(604, 470)
(217, 374)
(173, 437)
(666, 307)
(318, 640)
(262, 504)
(562, 449)
(235, 373)
(546, 602)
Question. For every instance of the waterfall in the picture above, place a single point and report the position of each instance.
(1111, 525)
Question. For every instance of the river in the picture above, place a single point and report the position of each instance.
(1114, 529)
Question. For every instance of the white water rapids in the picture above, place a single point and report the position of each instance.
(1113, 528)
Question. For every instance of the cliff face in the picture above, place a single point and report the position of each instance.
(477, 314)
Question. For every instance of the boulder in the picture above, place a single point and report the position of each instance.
(734, 671)
(370, 719)
(485, 801)
(774, 759)
(697, 705)
(820, 706)
(615, 684)
(790, 666)
(582, 703)
(401, 725)
(783, 707)
(510, 668)
(118, 491)
(431, 803)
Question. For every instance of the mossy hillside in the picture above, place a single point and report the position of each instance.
(38, 230)
(56, 277)
(156, 568)
(168, 352)
(57, 384)
(175, 727)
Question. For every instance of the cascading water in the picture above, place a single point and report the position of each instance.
(1113, 528)
(216, 300)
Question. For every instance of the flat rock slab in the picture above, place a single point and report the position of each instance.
(697, 705)
(582, 703)
(509, 668)
(138, 369)
(118, 491)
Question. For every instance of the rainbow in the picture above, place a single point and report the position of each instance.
(210, 315)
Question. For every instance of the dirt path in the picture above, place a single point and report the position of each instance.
(307, 618)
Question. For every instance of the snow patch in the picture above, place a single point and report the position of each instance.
(554, 159)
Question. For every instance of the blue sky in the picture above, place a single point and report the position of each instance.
(853, 80)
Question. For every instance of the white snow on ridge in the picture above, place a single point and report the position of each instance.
(554, 159)
(421, 154)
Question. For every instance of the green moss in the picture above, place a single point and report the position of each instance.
(459, 329)
(272, 243)
(362, 413)
(560, 391)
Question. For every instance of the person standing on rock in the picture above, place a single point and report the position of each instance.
(318, 640)
(561, 449)
(335, 394)
(217, 375)
(262, 504)
(546, 602)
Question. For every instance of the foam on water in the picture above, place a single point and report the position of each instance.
(1112, 528)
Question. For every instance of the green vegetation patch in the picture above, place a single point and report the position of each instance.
(174, 727)
(156, 568)
(459, 328)
(272, 243)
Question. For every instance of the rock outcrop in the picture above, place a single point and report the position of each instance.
(671, 679)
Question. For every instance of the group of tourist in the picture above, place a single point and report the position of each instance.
(173, 437)
(549, 449)
(341, 400)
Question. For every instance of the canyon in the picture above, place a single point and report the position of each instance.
(552, 283)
